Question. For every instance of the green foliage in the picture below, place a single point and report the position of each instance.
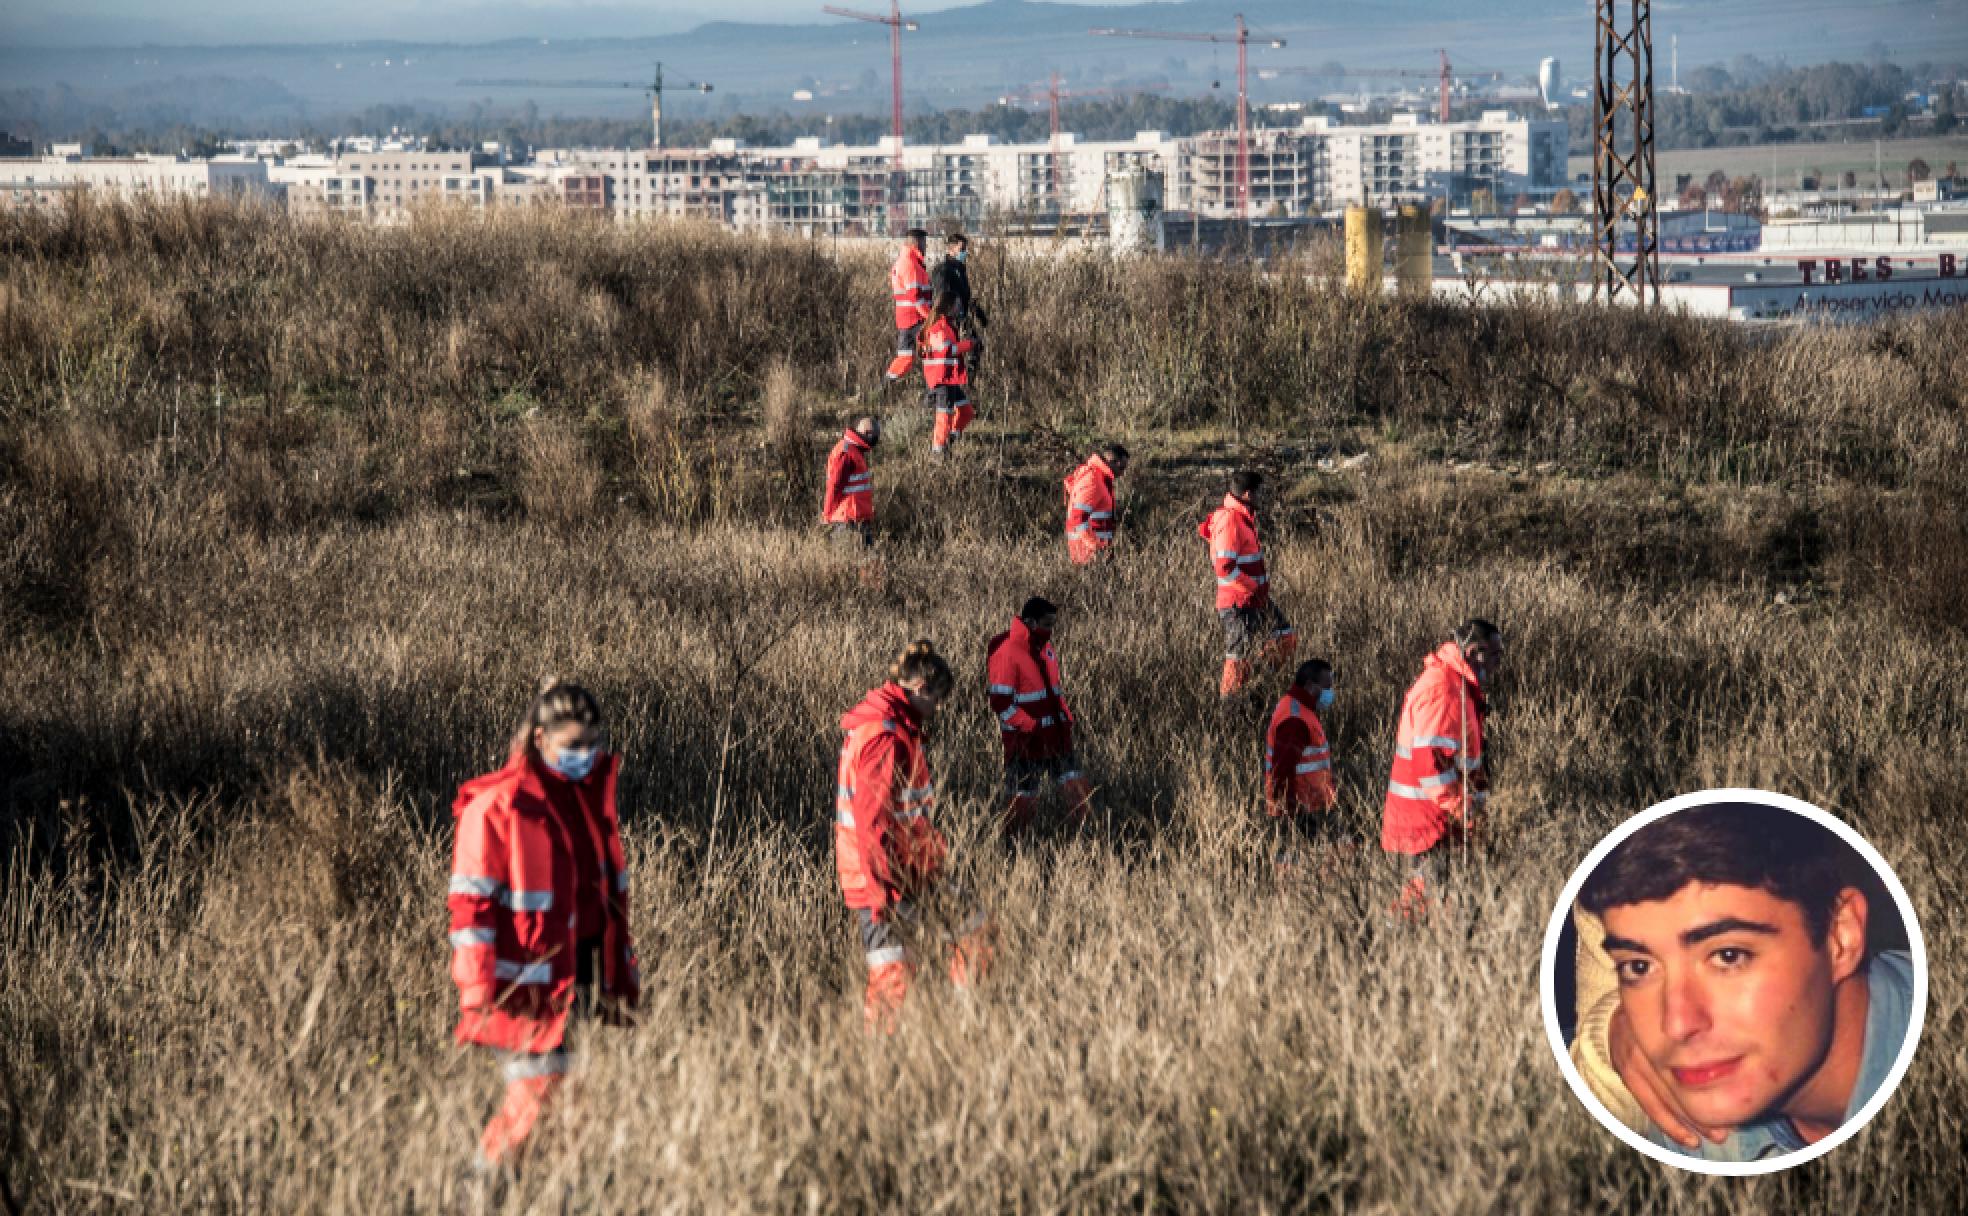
(1757, 103)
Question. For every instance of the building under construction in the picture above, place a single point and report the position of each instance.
(818, 189)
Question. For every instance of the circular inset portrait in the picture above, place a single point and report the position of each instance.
(1733, 982)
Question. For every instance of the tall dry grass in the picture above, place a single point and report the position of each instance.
(255, 635)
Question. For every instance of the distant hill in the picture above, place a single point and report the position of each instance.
(959, 57)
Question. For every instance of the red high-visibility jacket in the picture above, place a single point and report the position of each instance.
(908, 280)
(1438, 772)
(885, 848)
(942, 354)
(1238, 559)
(1027, 695)
(512, 904)
(1089, 510)
(850, 483)
(1298, 776)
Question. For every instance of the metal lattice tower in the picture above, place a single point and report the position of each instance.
(1623, 193)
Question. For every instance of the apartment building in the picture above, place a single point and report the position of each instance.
(45, 181)
(817, 188)
(388, 184)
(1410, 160)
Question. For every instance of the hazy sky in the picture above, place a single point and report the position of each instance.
(130, 22)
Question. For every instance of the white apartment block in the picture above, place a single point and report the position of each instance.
(387, 185)
(45, 181)
(1409, 160)
(964, 179)
(383, 187)
(1321, 166)
(267, 149)
(1314, 168)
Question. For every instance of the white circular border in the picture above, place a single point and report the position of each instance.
(1548, 977)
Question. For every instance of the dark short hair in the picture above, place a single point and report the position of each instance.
(1739, 844)
(1310, 670)
(1037, 608)
(1243, 481)
(1476, 630)
(1115, 451)
(918, 234)
(957, 238)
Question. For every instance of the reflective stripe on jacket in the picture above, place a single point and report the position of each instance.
(1027, 695)
(1438, 755)
(512, 905)
(1089, 510)
(885, 847)
(1236, 556)
(850, 483)
(908, 281)
(1298, 773)
(942, 352)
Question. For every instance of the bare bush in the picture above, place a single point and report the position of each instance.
(558, 483)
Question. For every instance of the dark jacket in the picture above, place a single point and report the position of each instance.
(954, 277)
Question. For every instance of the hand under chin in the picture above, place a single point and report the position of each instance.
(1724, 1106)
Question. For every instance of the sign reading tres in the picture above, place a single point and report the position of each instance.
(1865, 270)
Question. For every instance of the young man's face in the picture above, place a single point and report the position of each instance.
(1727, 995)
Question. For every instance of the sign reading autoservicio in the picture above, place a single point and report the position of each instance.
(1858, 288)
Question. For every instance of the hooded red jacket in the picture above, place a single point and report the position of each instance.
(1089, 510)
(1236, 556)
(850, 483)
(908, 282)
(885, 848)
(1438, 774)
(942, 354)
(512, 902)
(1028, 695)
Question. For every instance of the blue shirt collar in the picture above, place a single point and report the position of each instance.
(1889, 1010)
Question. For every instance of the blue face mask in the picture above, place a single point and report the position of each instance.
(1325, 698)
(574, 763)
(961, 255)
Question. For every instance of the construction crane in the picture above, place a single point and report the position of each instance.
(654, 88)
(1050, 92)
(1445, 75)
(896, 24)
(1242, 39)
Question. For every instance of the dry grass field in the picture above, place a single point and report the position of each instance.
(294, 516)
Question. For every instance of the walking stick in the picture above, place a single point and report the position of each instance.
(1462, 760)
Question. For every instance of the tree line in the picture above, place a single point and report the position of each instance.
(1748, 101)
(1752, 102)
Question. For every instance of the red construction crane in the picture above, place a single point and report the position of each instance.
(1050, 92)
(896, 24)
(1242, 39)
(1444, 74)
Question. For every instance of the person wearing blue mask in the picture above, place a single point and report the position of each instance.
(952, 274)
(539, 902)
(1298, 772)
